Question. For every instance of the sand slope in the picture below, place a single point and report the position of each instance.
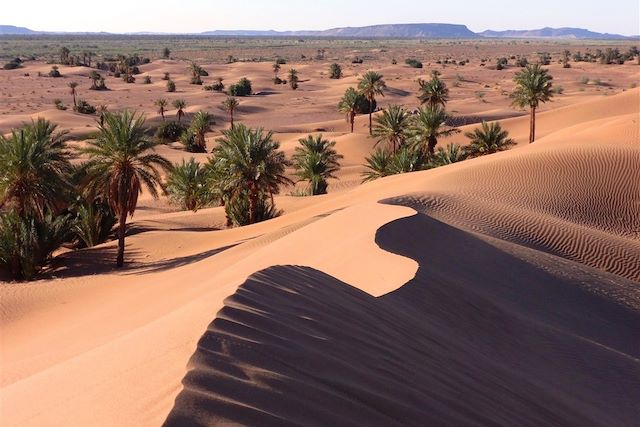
(501, 290)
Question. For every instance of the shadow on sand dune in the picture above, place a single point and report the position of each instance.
(487, 333)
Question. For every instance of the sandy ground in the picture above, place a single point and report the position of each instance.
(501, 290)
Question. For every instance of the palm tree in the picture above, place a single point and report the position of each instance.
(490, 138)
(187, 185)
(34, 169)
(349, 105)
(378, 165)
(179, 105)
(316, 161)
(229, 105)
(276, 70)
(252, 162)
(73, 86)
(122, 161)
(392, 126)
(162, 106)
(293, 79)
(533, 86)
(200, 125)
(370, 85)
(428, 125)
(433, 92)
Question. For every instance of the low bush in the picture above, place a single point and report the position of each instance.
(83, 107)
(170, 131)
(242, 88)
(171, 86)
(55, 72)
(12, 65)
(59, 105)
(335, 71)
(413, 63)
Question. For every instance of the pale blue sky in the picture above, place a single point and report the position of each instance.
(613, 16)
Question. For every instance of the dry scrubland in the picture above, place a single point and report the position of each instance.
(501, 289)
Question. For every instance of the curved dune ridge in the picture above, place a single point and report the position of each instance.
(499, 290)
(524, 310)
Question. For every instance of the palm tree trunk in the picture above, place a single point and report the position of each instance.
(121, 232)
(532, 126)
(253, 204)
(74, 98)
(370, 117)
(231, 114)
(353, 119)
(122, 223)
(432, 145)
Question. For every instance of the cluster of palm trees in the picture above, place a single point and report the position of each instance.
(411, 138)
(46, 202)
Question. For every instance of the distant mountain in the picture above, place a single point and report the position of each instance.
(13, 30)
(407, 31)
(432, 31)
(552, 33)
(444, 31)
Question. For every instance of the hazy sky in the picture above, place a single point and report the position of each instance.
(613, 16)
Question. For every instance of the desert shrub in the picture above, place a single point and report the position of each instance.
(279, 81)
(146, 80)
(189, 140)
(166, 53)
(117, 74)
(394, 61)
(242, 88)
(413, 63)
(128, 78)
(55, 72)
(83, 107)
(335, 71)
(357, 60)
(544, 58)
(92, 222)
(27, 243)
(166, 76)
(59, 105)
(11, 65)
(281, 61)
(171, 86)
(584, 80)
(501, 63)
(558, 90)
(170, 131)
(196, 80)
(237, 209)
(522, 62)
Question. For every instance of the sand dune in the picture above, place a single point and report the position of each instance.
(499, 290)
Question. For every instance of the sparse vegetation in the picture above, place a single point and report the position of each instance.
(83, 107)
(335, 71)
(413, 63)
(241, 88)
